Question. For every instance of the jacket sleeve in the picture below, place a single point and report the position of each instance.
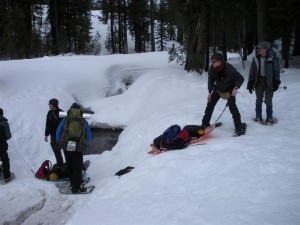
(211, 80)
(7, 131)
(47, 132)
(276, 69)
(239, 79)
(252, 70)
(88, 133)
(59, 130)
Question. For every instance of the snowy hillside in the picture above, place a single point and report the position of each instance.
(253, 179)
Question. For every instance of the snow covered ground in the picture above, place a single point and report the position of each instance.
(253, 179)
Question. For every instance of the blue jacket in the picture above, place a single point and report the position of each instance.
(88, 133)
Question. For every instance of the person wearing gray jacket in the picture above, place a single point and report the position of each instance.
(264, 78)
(4, 136)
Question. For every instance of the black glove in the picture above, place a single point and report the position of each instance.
(124, 171)
(250, 86)
(276, 84)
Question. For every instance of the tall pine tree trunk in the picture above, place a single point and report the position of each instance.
(152, 13)
(28, 31)
(296, 50)
(195, 16)
(224, 46)
(286, 42)
(112, 25)
(261, 20)
(120, 28)
(54, 27)
(207, 38)
(125, 28)
(213, 27)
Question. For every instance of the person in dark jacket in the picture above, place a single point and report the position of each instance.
(74, 158)
(4, 136)
(264, 78)
(223, 82)
(52, 122)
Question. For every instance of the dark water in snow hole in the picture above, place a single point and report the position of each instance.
(102, 140)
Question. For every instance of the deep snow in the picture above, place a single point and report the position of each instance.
(253, 179)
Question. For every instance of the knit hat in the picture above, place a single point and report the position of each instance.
(1, 112)
(263, 44)
(218, 57)
(54, 102)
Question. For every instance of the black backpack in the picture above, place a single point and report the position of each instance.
(62, 172)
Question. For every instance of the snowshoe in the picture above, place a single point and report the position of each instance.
(258, 119)
(8, 180)
(83, 190)
(68, 185)
(270, 122)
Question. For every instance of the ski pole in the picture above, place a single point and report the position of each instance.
(13, 147)
(217, 120)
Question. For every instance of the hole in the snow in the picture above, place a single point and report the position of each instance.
(103, 140)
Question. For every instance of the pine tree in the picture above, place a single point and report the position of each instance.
(162, 34)
(94, 47)
(138, 23)
(195, 17)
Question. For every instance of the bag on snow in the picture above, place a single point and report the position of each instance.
(172, 138)
(59, 172)
(44, 171)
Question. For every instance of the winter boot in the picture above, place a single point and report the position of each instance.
(10, 178)
(269, 111)
(239, 130)
(269, 122)
(76, 190)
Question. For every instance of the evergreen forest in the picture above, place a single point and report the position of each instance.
(37, 28)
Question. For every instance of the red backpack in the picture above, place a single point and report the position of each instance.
(44, 170)
(184, 135)
(181, 141)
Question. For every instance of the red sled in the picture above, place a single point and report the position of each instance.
(198, 141)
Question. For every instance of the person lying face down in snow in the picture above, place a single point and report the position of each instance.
(176, 138)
